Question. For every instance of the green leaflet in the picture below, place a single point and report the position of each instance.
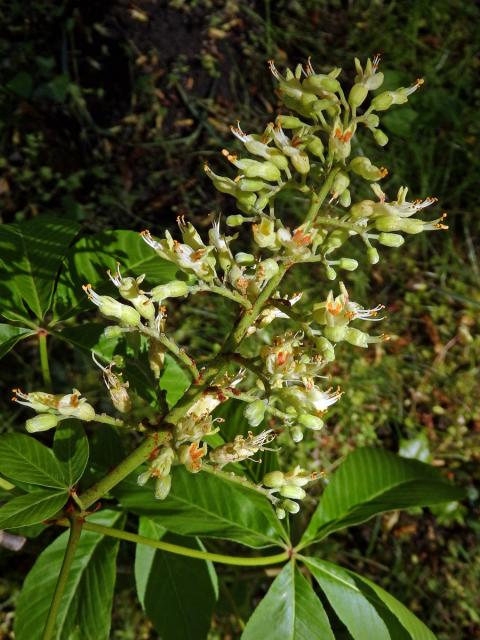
(70, 446)
(10, 335)
(87, 601)
(31, 255)
(25, 459)
(371, 481)
(205, 505)
(290, 611)
(31, 508)
(178, 594)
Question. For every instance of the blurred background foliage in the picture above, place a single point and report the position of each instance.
(108, 111)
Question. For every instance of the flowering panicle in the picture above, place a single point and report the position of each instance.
(308, 152)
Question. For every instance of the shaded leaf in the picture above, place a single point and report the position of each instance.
(70, 446)
(174, 380)
(408, 620)
(25, 459)
(176, 592)
(87, 601)
(90, 337)
(31, 508)
(371, 481)
(290, 611)
(10, 335)
(206, 505)
(351, 606)
(32, 253)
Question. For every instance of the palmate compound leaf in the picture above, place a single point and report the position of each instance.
(177, 593)
(31, 255)
(206, 505)
(87, 601)
(290, 611)
(365, 609)
(371, 481)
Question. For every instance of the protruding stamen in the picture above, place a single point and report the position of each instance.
(376, 61)
(147, 237)
(273, 70)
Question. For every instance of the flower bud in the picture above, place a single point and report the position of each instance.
(362, 166)
(331, 273)
(315, 146)
(113, 331)
(326, 349)
(143, 478)
(380, 137)
(411, 225)
(292, 491)
(382, 102)
(391, 239)
(346, 198)
(236, 220)
(357, 95)
(388, 223)
(291, 506)
(173, 289)
(255, 412)
(274, 479)
(251, 184)
(336, 333)
(340, 183)
(42, 422)
(337, 238)
(162, 487)
(349, 264)
(372, 255)
(301, 162)
(356, 337)
(318, 83)
(111, 308)
(296, 434)
(311, 422)
(289, 122)
(163, 462)
(254, 168)
(371, 120)
(281, 513)
(242, 258)
(362, 209)
(246, 201)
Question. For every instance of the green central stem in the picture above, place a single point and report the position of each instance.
(44, 365)
(186, 551)
(73, 540)
(124, 468)
(319, 198)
